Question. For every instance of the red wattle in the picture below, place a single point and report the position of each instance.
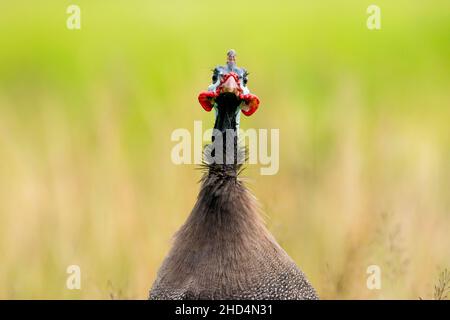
(251, 101)
(205, 98)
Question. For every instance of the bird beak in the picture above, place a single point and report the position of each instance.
(230, 86)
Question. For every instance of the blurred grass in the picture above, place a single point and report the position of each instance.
(86, 117)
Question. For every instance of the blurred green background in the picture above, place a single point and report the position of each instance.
(86, 117)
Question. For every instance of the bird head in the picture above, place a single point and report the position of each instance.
(229, 84)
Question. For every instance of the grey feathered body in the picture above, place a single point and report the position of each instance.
(224, 251)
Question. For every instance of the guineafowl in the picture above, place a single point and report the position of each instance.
(224, 250)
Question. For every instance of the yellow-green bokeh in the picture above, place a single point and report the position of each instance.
(86, 117)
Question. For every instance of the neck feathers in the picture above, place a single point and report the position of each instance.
(223, 156)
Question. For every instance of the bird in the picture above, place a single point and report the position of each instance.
(224, 249)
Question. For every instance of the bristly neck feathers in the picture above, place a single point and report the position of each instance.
(226, 154)
(223, 198)
(224, 202)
